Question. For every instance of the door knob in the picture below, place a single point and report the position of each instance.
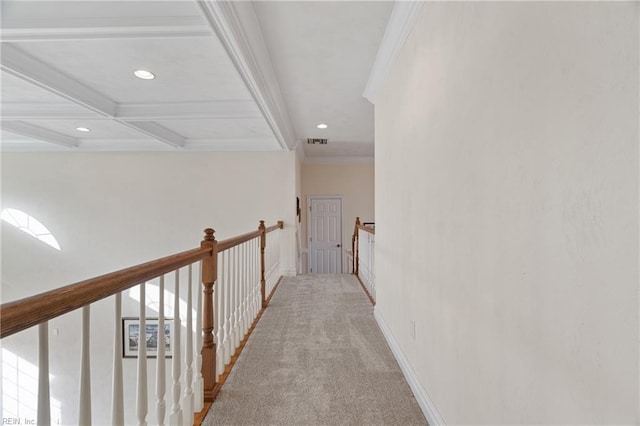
(338, 245)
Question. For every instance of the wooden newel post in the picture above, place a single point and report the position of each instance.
(209, 276)
(263, 244)
(357, 252)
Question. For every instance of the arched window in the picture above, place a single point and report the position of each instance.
(30, 225)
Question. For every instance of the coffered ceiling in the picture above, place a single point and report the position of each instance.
(228, 75)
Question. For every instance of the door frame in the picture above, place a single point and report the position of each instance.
(324, 197)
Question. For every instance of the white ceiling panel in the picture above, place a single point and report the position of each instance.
(186, 69)
(100, 129)
(220, 129)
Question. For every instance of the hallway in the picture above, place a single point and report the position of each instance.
(316, 357)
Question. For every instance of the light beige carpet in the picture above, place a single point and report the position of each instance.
(317, 357)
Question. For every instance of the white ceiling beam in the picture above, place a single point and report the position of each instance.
(188, 110)
(46, 111)
(239, 31)
(39, 133)
(133, 112)
(398, 27)
(19, 64)
(157, 132)
(103, 28)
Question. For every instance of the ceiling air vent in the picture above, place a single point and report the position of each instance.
(314, 141)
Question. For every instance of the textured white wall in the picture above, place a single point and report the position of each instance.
(113, 210)
(507, 210)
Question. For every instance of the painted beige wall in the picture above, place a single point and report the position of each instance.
(113, 210)
(353, 181)
(507, 210)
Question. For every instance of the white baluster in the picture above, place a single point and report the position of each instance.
(84, 417)
(238, 300)
(142, 360)
(117, 392)
(219, 294)
(44, 403)
(176, 411)
(245, 315)
(234, 300)
(254, 279)
(228, 310)
(198, 380)
(161, 365)
(187, 404)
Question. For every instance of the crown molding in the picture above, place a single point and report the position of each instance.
(268, 144)
(338, 160)
(188, 110)
(398, 27)
(39, 133)
(12, 111)
(139, 145)
(104, 28)
(239, 31)
(133, 112)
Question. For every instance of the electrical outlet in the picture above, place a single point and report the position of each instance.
(412, 330)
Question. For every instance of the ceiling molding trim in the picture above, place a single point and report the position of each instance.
(104, 28)
(156, 131)
(12, 146)
(46, 111)
(239, 31)
(338, 160)
(188, 110)
(39, 133)
(21, 65)
(267, 144)
(398, 27)
(132, 112)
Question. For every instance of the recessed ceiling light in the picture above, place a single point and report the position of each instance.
(322, 126)
(145, 75)
(83, 129)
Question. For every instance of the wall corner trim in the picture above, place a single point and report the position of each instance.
(398, 27)
(424, 401)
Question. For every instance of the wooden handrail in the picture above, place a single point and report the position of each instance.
(366, 229)
(236, 241)
(24, 313)
(279, 225)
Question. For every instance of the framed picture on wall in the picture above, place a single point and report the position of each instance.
(131, 337)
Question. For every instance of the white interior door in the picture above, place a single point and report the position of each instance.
(325, 235)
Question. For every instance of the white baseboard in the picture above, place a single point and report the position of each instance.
(426, 404)
(289, 272)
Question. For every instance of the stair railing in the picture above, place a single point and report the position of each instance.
(363, 256)
(234, 267)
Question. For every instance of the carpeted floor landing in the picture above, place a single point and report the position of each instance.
(317, 357)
